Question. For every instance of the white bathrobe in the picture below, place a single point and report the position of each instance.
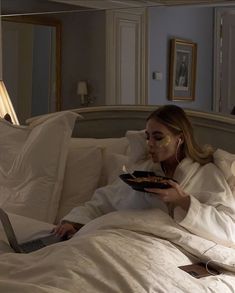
(211, 214)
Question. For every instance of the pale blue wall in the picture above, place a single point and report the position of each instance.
(195, 24)
(83, 52)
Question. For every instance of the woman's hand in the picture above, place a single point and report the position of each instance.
(173, 194)
(64, 229)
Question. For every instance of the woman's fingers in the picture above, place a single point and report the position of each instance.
(162, 193)
(62, 230)
(175, 194)
(173, 183)
(153, 190)
(58, 230)
(55, 229)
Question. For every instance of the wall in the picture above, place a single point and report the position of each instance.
(41, 69)
(17, 66)
(194, 24)
(27, 67)
(83, 55)
(83, 52)
(0, 43)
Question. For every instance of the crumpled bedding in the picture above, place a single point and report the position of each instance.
(128, 251)
(32, 164)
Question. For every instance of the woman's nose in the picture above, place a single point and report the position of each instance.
(150, 142)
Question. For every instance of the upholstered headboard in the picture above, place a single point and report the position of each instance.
(113, 121)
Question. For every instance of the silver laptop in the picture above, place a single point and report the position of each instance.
(28, 246)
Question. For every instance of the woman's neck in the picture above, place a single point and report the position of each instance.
(169, 166)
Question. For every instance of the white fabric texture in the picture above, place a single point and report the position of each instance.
(129, 251)
(117, 196)
(112, 167)
(137, 145)
(32, 163)
(225, 161)
(113, 145)
(82, 174)
(211, 213)
(91, 163)
(113, 156)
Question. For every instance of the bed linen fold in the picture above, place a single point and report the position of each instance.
(129, 251)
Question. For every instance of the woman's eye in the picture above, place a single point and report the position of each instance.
(155, 138)
(147, 136)
(158, 138)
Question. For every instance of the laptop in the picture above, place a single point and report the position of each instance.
(28, 246)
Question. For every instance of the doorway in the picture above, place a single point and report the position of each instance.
(224, 73)
(31, 65)
(126, 61)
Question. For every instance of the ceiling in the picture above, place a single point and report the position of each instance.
(16, 7)
(108, 4)
(30, 7)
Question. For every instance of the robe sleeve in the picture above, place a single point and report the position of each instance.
(211, 212)
(101, 203)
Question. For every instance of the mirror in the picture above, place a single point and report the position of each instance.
(31, 64)
(84, 52)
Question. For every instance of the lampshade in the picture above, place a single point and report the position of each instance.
(6, 106)
(82, 88)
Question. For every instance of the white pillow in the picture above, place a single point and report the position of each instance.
(85, 170)
(110, 164)
(138, 150)
(32, 163)
(112, 167)
(225, 161)
(136, 157)
(114, 145)
(82, 173)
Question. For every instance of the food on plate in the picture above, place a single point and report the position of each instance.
(152, 179)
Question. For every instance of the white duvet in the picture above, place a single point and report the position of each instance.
(128, 251)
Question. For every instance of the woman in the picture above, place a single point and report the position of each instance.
(201, 200)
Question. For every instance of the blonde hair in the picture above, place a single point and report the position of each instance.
(176, 120)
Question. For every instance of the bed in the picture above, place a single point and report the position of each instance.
(124, 251)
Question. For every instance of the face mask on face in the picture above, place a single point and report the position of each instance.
(163, 142)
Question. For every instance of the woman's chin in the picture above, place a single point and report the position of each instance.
(156, 159)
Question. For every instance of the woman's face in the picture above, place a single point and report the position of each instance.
(162, 143)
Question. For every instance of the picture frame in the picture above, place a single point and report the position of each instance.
(182, 77)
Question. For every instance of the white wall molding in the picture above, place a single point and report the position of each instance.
(126, 56)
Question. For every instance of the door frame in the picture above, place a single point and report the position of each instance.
(219, 13)
(217, 60)
(113, 19)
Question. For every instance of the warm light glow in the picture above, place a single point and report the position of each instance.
(6, 105)
(82, 91)
(82, 88)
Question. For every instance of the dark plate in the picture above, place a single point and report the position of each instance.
(140, 186)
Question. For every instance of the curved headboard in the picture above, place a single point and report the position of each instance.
(113, 121)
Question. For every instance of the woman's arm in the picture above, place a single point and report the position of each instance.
(102, 202)
(207, 207)
(174, 195)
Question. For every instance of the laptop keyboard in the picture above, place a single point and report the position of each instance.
(32, 245)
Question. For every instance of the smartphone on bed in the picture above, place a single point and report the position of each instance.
(199, 270)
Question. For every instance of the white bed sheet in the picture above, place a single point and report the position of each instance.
(130, 251)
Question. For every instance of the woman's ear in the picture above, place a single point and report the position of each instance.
(180, 141)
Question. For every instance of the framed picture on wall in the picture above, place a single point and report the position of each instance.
(182, 78)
